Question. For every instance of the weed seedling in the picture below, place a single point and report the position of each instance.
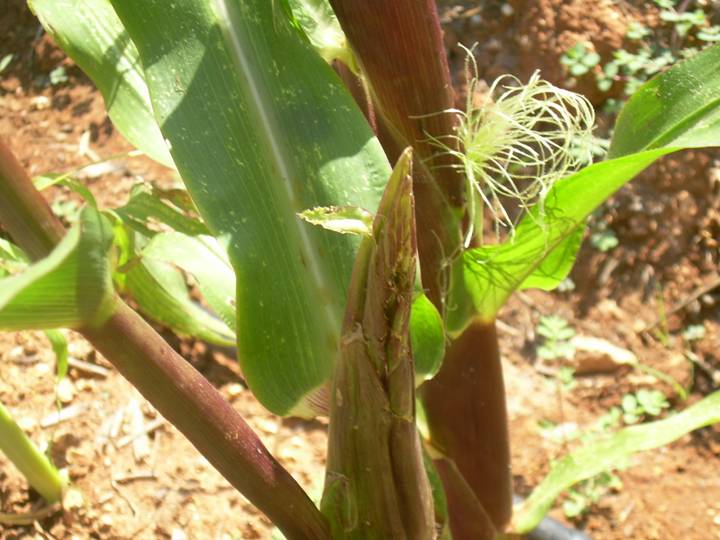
(581, 498)
(604, 239)
(580, 59)
(557, 333)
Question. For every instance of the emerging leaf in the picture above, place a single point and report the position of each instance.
(341, 219)
(70, 288)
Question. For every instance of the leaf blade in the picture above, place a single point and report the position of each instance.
(597, 457)
(285, 136)
(90, 33)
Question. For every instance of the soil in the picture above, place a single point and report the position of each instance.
(667, 223)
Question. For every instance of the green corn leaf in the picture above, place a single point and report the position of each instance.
(607, 453)
(322, 28)
(492, 273)
(160, 290)
(70, 288)
(341, 219)
(59, 345)
(12, 258)
(205, 260)
(11, 253)
(44, 181)
(40, 473)
(556, 265)
(679, 108)
(144, 206)
(93, 36)
(261, 129)
(543, 248)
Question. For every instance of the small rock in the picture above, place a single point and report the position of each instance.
(73, 499)
(27, 424)
(65, 390)
(40, 103)
(596, 355)
(42, 369)
(234, 389)
(85, 385)
(267, 426)
(16, 354)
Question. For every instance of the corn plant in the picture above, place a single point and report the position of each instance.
(341, 242)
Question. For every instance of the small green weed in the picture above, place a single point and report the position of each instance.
(694, 332)
(680, 34)
(5, 61)
(580, 59)
(644, 403)
(58, 76)
(604, 239)
(585, 494)
(557, 333)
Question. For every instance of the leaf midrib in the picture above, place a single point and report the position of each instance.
(237, 51)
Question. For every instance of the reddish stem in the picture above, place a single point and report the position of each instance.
(467, 417)
(24, 212)
(399, 47)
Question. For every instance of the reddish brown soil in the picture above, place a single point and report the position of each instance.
(668, 224)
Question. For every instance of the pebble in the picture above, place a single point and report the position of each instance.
(596, 355)
(27, 424)
(73, 499)
(42, 369)
(267, 426)
(65, 390)
(16, 354)
(234, 390)
(40, 103)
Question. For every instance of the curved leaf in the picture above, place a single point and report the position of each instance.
(161, 293)
(93, 36)
(70, 288)
(492, 273)
(261, 129)
(204, 259)
(606, 454)
(144, 206)
(679, 108)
